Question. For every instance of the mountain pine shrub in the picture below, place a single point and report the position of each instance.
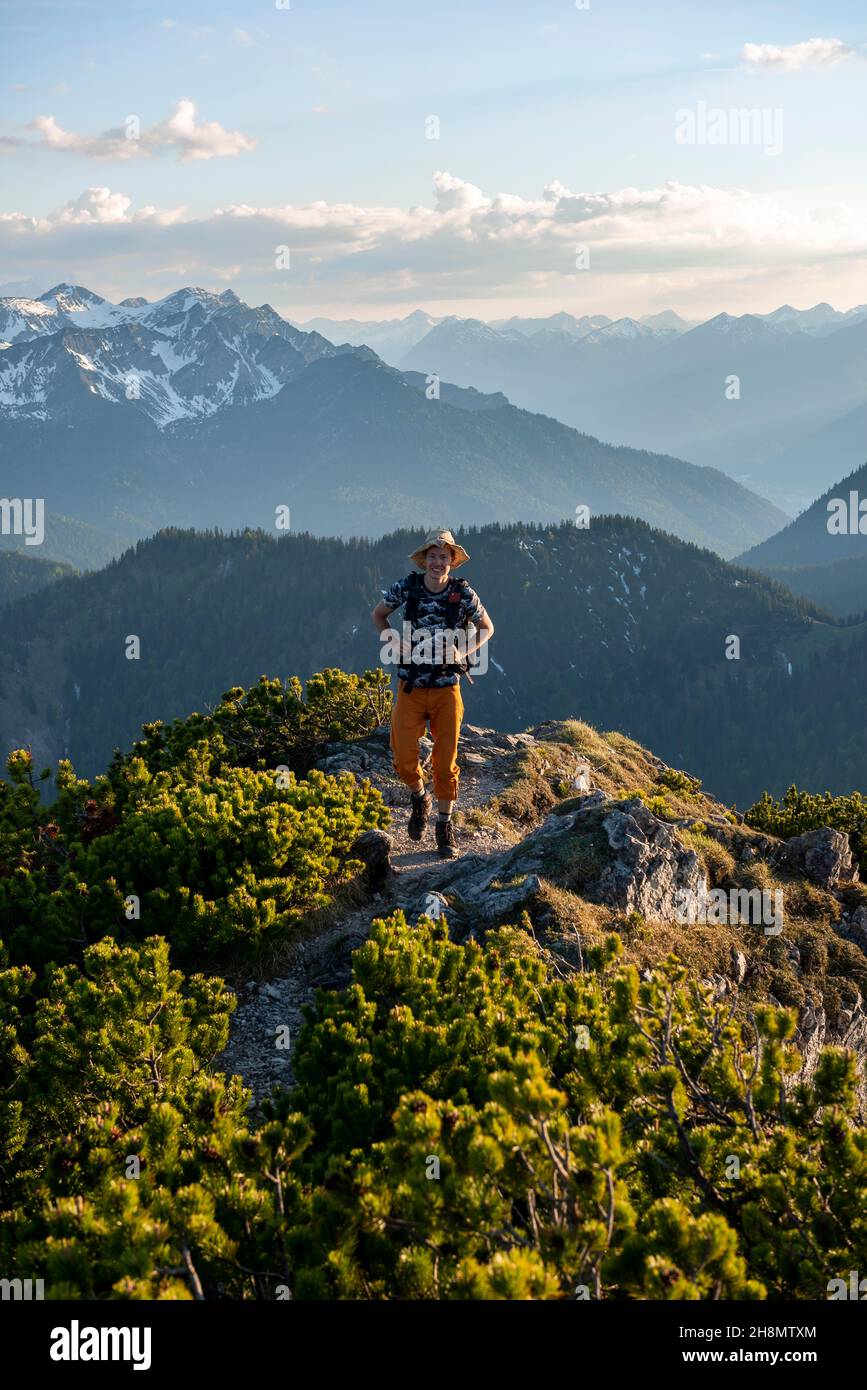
(799, 811)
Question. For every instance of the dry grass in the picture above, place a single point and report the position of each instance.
(718, 862)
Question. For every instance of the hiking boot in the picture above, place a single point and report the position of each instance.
(446, 839)
(419, 818)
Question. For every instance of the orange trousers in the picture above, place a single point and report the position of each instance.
(444, 707)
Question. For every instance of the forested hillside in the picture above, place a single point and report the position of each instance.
(21, 574)
(618, 624)
(839, 587)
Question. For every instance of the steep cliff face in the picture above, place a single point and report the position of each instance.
(576, 834)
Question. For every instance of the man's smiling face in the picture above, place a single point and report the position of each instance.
(438, 561)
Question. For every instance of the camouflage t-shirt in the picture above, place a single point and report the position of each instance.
(435, 614)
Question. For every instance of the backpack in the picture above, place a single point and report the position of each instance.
(454, 605)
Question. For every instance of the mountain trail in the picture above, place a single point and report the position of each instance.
(269, 1015)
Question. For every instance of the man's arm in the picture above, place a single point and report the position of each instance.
(381, 613)
(477, 614)
(484, 632)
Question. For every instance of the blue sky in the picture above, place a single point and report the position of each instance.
(307, 129)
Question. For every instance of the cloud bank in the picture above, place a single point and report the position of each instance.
(466, 242)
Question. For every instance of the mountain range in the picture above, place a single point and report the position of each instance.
(184, 357)
(662, 382)
(393, 338)
(775, 400)
(200, 411)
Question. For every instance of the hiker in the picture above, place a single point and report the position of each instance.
(436, 605)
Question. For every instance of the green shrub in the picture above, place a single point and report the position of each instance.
(223, 860)
(680, 781)
(270, 724)
(469, 1056)
(799, 811)
(467, 1124)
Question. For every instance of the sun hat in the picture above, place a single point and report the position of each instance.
(441, 537)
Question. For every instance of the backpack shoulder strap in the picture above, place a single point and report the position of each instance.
(410, 611)
(456, 602)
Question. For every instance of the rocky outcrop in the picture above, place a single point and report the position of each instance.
(849, 1031)
(650, 867)
(821, 855)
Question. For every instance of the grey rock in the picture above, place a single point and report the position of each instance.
(739, 967)
(373, 848)
(650, 866)
(433, 905)
(857, 928)
(814, 1034)
(822, 855)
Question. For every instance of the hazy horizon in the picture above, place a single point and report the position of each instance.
(17, 290)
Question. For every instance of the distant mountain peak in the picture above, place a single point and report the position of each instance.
(667, 318)
(623, 330)
(740, 327)
(70, 293)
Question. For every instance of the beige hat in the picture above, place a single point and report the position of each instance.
(440, 538)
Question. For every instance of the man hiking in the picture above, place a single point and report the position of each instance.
(437, 607)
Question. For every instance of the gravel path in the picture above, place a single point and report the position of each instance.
(269, 1015)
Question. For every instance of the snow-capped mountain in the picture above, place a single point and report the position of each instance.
(64, 306)
(186, 356)
(626, 330)
(819, 321)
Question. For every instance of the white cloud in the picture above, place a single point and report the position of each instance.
(465, 244)
(454, 195)
(206, 141)
(815, 53)
(180, 132)
(95, 205)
